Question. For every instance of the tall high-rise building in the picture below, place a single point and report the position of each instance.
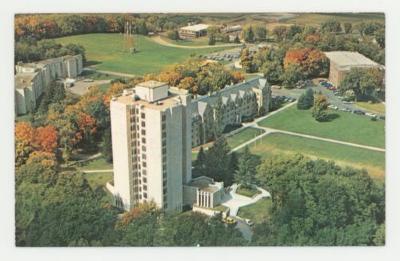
(151, 140)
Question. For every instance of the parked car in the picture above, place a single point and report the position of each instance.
(345, 109)
(333, 107)
(369, 114)
(358, 112)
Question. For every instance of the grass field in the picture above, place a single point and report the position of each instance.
(247, 192)
(317, 18)
(257, 212)
(346, 127)
(106, 52)
(277, 143)
(373, 107)
(243, 136)
(96, 164)
(98, 179)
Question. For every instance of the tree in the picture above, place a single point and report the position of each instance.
(380, 37)
(291, 76)
(310, 204)
(306, 100)
(246, 170)
(320, 107)
(45, 139)
(248, 34)
(211, 39)
(246, 61)
(200, 163)
(106, 146)
(260, 32)
(364, 82)
(173, 35)
(273, 71)
(331, 26)
(311, 61)
(280, 32)
(218, 162)
(347, 28)
(24, 133)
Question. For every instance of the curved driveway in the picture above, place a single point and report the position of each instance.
(161, 41)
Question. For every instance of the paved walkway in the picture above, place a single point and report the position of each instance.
(128, 75)
(270, 130)
(161, 41)
(82, 87)
(234, 201)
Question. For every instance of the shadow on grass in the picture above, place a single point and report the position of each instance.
(91, 63)
(331, 117)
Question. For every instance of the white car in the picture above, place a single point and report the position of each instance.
(370, 114)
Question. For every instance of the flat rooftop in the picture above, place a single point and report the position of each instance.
(23, 80)
(347, 60)
(171, 100)
(151, 84)
(196, 27)
(205, 184)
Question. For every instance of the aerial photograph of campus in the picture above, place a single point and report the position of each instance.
(199, 129)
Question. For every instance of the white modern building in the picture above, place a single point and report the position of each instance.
(31, 79)
(151, 140)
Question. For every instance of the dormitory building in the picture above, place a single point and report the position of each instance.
(31, 79)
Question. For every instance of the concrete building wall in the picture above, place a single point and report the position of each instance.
(122, 157)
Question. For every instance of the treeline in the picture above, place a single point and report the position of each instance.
(30, 50)
(198, 76)
(51, 26)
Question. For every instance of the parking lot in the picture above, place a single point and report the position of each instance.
(333, 99)
(81, 87)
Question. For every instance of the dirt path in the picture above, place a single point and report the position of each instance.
(161, 41)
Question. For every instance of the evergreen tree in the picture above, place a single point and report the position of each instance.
(246, 170)
(106, 146)
(306, 100)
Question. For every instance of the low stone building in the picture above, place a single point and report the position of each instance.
(32, 78)
(193, 31)
(230, 106)
(203, 192)
(341, 62)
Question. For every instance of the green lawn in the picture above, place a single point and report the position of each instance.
(346, 127)
(98, 179)
(243, 136)
(247, 192)
(96, 164)
(373, 107)
(277, 143)
(257, 212)
(106, 52)
(318, 18)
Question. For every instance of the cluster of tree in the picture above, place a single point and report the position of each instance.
(315, 202)
(332, 36)
(306, 100)
(216, 162)
(312, 62)
(281, 65)
(31, 50)
(51, 26)
(253, 33)
(198, 77)
(364, 83)
(60, 209)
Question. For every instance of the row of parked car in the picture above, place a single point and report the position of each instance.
(358, 112)
(326, 84)
(283, 98)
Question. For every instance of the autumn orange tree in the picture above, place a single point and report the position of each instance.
(312, 62)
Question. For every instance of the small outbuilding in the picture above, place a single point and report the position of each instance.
(193, 31)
